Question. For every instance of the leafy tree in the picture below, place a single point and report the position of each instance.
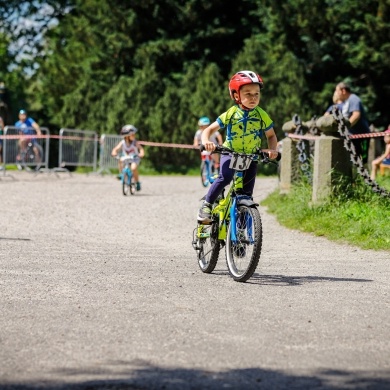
(11, 83)
(161, 65)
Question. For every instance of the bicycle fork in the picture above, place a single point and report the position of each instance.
(243, 222)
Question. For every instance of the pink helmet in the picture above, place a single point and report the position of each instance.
(241, 78)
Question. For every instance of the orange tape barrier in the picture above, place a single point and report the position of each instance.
(181, 146)
(17, 136)
(147, 143)
(313, 137)
(367, 135)
(352, 136)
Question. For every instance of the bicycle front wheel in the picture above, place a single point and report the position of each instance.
(208, 246)
(204, 174)
(126, 183)
(243, 254)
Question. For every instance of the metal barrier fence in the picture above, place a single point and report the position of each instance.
(77, 148)
(13, 154)
(106, 161)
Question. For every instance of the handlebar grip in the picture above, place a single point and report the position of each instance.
(202, 148)
(279, 157)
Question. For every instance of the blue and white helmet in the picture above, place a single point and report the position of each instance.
(204, 121)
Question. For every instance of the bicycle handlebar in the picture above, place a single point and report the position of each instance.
(263, 153)
(125, 158)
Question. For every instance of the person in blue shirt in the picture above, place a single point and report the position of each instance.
(353, 110)
(27, 127)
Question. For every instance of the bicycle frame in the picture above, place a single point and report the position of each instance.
(225, 210)
(127, 174)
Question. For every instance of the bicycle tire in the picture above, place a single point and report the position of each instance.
(28, 158)
(204, 174)
(209, 247)
(242, 256)
(126, 183)
(38, 165)
(132, 188)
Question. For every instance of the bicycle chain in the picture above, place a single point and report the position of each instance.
(343, 130)
(301, 147)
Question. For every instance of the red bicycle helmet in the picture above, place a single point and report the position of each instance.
(241, 78)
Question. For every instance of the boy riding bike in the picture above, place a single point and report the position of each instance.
(245, 123)
(129, 146)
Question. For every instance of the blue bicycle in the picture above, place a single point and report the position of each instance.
(128, 185)
(236, 224)
(207, 170)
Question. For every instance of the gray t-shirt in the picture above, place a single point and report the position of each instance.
(353, 103)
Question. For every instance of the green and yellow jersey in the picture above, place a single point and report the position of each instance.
(244, 129)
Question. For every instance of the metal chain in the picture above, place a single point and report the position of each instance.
(313, 130)
(355, 158)
(301, 147)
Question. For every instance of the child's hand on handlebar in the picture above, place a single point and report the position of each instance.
(273, 154)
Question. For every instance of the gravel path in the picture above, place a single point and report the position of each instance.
(102, 291)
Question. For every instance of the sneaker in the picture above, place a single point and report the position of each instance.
(138, 186)
(204, 214)
(119, 177)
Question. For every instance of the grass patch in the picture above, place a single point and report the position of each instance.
(354, 214)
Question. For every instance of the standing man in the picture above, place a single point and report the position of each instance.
(353, 110)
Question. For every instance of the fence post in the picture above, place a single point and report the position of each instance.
(331, 161)
(289, 166)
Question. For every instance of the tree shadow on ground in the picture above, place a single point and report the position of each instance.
(141, 375)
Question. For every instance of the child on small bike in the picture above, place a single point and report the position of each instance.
(129, 146)
(244, 124)
(216, 137)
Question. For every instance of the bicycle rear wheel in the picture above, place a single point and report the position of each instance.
(204, 174)
(207, 246)
(126, 183)
(243, 254)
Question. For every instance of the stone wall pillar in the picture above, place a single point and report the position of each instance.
(289, 165)
(331, 160)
